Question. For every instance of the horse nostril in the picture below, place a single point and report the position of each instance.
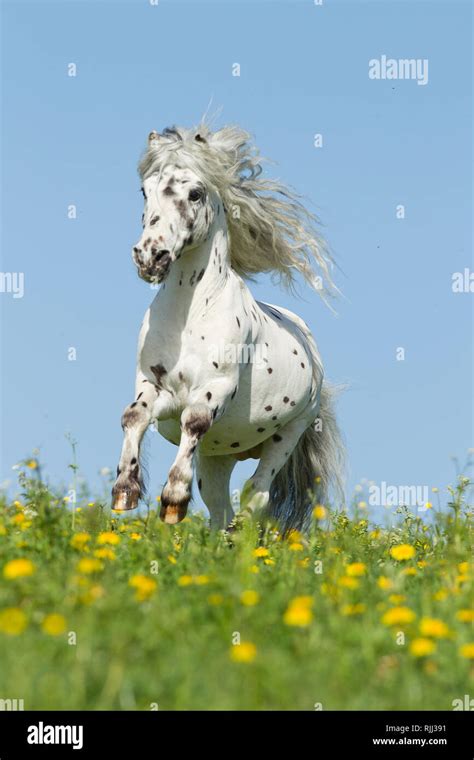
(157, 255)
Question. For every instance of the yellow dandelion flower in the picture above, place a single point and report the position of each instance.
(135, 536)
(105, 552)
(304, 562)
(249, 598)
(143, 585)
(319, 512)
(362, 504)
(299, 613)
(268, 561)
(18, 519)
(465, 616)
(261, 551)
(54, 624)
(172, 559)
(18, 568)
(409, 571)
(294, 536)
(441, 595)
(434, 627)
(79, 540)
(398, 616)
(92, 594)
(13, 621)
(402, 552)
(396, 598)
(296, 547)
(185, 580)
(375, 534)
(384, 583)
(421, 647)
(356, 569)
(89, 565)
(108, 537)
(201, 580)
(421, 564)
(467, 651)
(243, 652)
(254, 569)
(32, 464)
(215, 599)
(463, 568)
(18, 504)
(348, 582)
(3, 530)
(353, 609)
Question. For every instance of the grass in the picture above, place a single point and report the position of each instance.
(98, 612)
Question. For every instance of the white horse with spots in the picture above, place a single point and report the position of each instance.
(226, 377)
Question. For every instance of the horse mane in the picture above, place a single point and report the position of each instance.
(269, 228)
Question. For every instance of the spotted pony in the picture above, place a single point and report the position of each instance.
(223, 376)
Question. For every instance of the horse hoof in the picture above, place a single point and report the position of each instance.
(173, 514)
(124, 501)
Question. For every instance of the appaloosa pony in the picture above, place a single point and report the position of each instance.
(226, 377)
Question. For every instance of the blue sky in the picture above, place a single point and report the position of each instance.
(304, 70)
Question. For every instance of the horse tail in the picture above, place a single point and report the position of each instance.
(314, 470)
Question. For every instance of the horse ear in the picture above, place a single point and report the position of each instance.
(200, 138)
(153, 137)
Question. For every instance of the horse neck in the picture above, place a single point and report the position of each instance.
(198, 276)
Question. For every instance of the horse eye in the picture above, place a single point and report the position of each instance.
(195, 194)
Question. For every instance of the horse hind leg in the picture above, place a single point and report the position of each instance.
(213, 478)
(276, 451)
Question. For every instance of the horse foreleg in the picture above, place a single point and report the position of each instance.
(195, 422)
(213, 477)
(128, 487)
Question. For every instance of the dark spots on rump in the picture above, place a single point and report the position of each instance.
(302, 365)
(285, 400)
(235, 445)
(277, 438)
(216, 365)
(201, 275)
(209, 395)
(260, 430)
(154, 220)
(268, 408)
(269, 370)
(238, 321)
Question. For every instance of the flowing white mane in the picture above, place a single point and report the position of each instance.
(269, 228)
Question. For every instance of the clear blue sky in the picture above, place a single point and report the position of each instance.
(304, 70)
